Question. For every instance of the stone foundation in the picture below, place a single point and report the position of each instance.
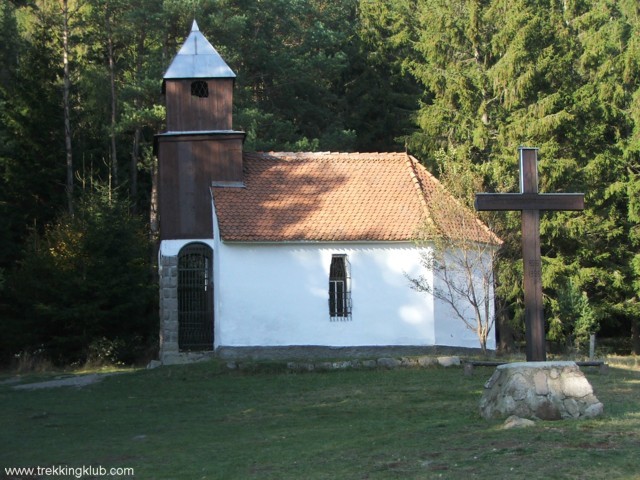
(539, 390)
(321, 352)
(168, 273)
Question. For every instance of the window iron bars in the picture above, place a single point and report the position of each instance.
(339, 288)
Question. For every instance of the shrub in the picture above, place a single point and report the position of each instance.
(84, 287)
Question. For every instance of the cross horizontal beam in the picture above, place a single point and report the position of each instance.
(529, 201)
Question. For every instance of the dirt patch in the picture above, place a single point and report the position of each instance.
(77, 381)
(11, 381)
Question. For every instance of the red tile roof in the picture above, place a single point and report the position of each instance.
(339, 197)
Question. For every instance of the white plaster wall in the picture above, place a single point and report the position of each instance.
(171, 248)
(276, 295)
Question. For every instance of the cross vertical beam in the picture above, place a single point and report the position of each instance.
(530, 202)
(533, 304)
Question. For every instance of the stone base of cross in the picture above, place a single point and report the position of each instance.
(530, 202)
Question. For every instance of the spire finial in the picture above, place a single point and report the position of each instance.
(194, 27)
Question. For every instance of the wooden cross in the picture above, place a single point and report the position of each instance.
(530, 202)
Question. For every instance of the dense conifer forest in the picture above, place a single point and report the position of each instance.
(459, 84)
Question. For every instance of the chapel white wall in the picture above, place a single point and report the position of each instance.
(171, 248)
(277, 295)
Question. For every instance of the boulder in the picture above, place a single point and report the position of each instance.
(369, 364)
(409, 362)
(539, 390)
(517, 422)
(448, 361)
(426, 361)
(388, 362)
(154, 364)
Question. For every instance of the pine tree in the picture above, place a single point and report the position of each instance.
(561, 76)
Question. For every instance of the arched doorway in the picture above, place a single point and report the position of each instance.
(195, 298)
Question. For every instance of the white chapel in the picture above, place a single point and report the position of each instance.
(267, 254)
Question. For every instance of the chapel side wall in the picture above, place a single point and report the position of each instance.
(277, 295)
(450, 330)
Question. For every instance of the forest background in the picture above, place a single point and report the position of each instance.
(460, 84)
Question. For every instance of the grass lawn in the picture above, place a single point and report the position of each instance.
(202, 422)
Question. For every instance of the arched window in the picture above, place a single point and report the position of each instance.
(339, 288)
(200, 88)
(195, 298)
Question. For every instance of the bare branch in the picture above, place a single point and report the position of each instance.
(462, 267)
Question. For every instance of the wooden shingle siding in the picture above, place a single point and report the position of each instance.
(188, 164)
(186, 112)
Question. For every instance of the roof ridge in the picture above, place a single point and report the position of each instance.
(329, 154)
(413, 174)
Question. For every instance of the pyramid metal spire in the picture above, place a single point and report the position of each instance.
(198, 59)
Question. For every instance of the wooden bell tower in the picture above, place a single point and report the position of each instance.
(199, 147)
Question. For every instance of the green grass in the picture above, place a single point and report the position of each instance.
(201, 422)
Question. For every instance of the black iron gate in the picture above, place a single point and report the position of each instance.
(195, 297)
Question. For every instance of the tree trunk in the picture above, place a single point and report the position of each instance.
(505, 337)
(66, 104)
(154, 225)
(112, 82)
(135, 151)
(635, 335)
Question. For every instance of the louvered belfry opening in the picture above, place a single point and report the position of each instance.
(200, 88)
(195, 298)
